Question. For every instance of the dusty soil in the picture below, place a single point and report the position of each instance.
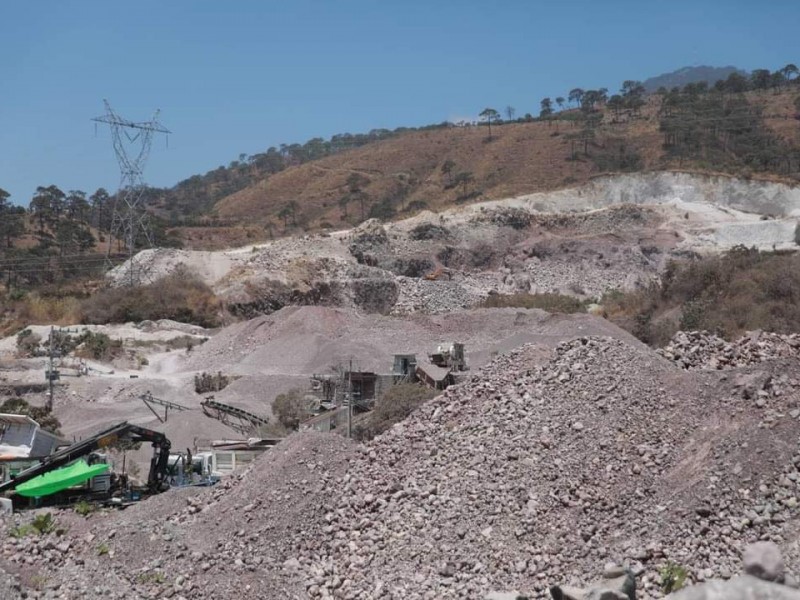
(267, 356)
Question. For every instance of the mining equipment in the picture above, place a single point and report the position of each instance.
(65, 486)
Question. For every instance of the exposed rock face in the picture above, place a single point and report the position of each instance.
(615, 233)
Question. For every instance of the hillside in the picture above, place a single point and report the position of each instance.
(434, 168)
(680, 77)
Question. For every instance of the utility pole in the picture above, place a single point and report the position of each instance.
(350, 400)
(50, 374)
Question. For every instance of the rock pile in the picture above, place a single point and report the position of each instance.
(229, 541)
(704, 350)
(529, 473)
(432, 297)
(765, 579)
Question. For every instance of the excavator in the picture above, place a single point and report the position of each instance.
(437, 273)
(157, 479)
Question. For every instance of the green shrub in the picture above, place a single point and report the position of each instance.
(153, 577)
(291, 408)
(673, 577)
(21, 531)
(428, 231)
(739, 291)
(99, 346)
(44, 523)
(396, 404)
(84, 508)
(28, 343)
(41, 525)
(616, 155)
(181, 296)
(205, 382)
(383, 210)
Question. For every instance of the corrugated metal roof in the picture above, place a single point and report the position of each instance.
(11, 419)
(434, 372)
(320, 418)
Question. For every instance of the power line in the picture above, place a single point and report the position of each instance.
(132, 142)
(32, 261)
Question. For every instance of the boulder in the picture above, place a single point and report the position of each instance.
(764, 560)
(617, 584)
(745, 587)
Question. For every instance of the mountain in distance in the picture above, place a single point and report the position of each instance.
(681, 77)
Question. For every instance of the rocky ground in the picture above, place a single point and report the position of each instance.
(704, 350)
(614, 234)
(263, 357)
(534, 472)
(569, 450)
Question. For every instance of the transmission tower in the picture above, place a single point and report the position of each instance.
(129, 221)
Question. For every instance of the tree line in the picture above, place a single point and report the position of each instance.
(715, 124)
(196, 195)
(190, 200)
(56, 236)
(632, 95)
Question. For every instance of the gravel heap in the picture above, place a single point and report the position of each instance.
(704, 350)
(431, 297)
(531, 473)
(526, 475)
(229, 541)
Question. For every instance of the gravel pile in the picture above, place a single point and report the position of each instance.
(229, 541)
(590, 276)
(530, 473)
(432, 297)
(704, 350)
(526, 475)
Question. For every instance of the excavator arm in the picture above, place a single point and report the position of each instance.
(108, 437)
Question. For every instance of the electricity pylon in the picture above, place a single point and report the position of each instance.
(129, 220)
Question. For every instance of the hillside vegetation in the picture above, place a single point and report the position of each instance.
(54, 252)
(744, 126)
(741, 290)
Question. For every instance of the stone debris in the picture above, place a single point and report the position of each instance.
(764, 571)
(763, 566)
(377, 267)
(739, 588)
(488, 488)
(432, 297)
(704, 350)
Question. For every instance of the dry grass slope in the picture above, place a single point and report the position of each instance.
(404, 173)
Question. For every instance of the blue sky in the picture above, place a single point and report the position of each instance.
(238, 77)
